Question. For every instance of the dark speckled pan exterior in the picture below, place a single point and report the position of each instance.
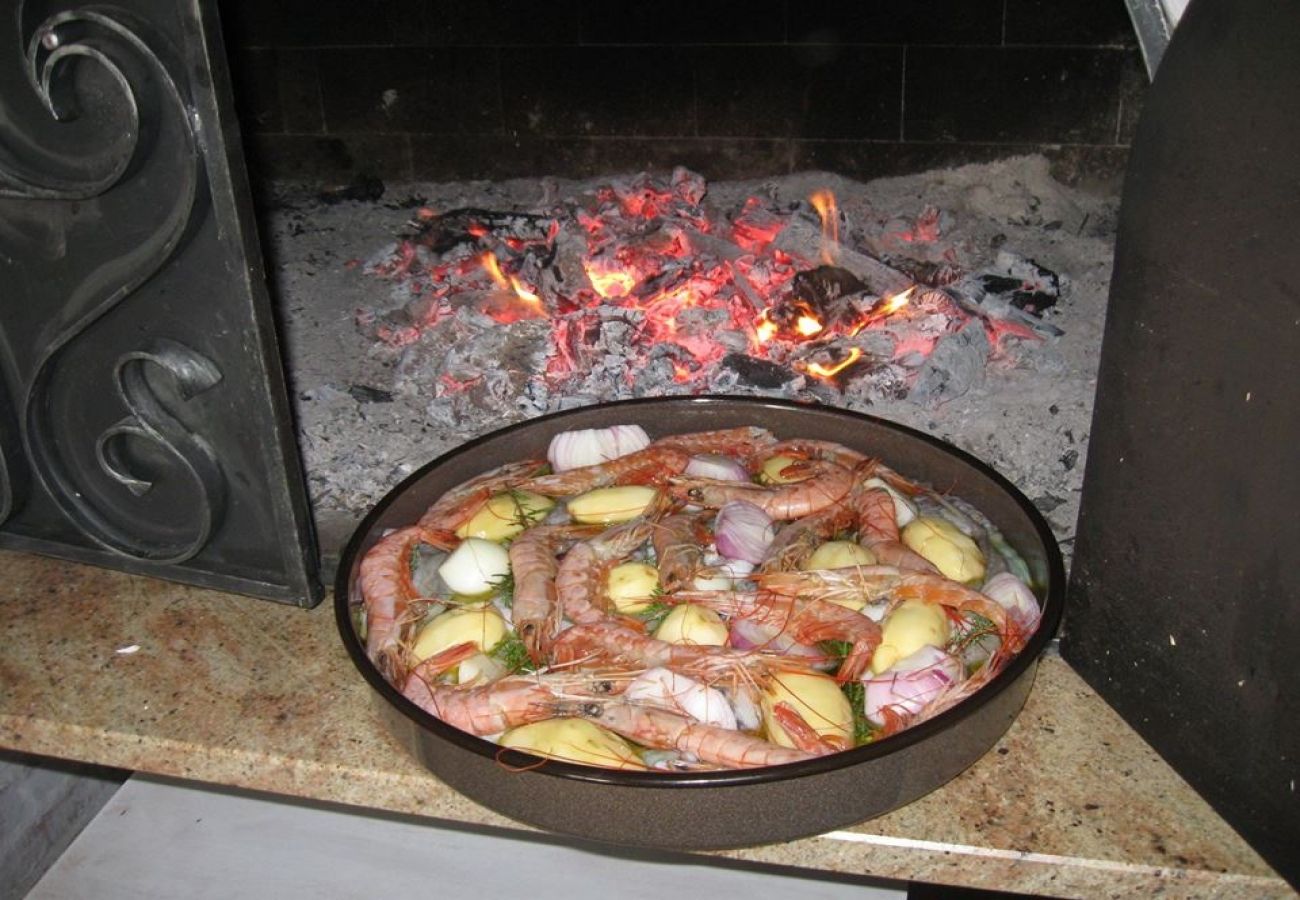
(717, 810)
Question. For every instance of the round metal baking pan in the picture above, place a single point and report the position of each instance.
(717, 810)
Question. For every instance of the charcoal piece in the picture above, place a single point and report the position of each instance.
(468, 225)
(365, 394)
(821, 285)
(1033, 302)
(758, 372)
(1000, 284)
(1023, 283)
(363, 187)
(823, 291)
(932, 274)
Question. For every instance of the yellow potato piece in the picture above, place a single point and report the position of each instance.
(692, 624)
(770, 472)
(632, 586)
(504, 516)
(611, 505)
(839, 555)
(574, 740)
(911, 626)
(942, 543)
(817, 698)
(482, 625)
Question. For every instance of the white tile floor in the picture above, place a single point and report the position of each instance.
(157, 839)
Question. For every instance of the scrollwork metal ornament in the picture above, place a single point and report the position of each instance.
(61, 42)
(141, 301)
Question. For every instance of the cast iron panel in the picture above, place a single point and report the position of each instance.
(1184, 608)
(145, 424)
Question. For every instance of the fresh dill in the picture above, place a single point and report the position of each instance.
(863, 731)
(511, 653)
(654, 614)
(837, 650)
(505, 590)
(979, 627)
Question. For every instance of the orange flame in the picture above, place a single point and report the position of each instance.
(822, 371)
(765, 330)
(885, 306)
(824, 203)
(493, 268)
(512, 284)
(893, 304)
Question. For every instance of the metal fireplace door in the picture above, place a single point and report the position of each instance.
(145, 423)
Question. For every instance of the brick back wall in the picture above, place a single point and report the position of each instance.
(418, 89)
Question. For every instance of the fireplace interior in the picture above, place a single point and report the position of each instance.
(475, 216)
(678, 155)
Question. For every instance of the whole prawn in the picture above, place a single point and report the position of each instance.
(808, 619)
(709, 744)
(649, 466)
(742, 441)
(534, 564)
(878, 531)
(580, 576)
(679, 550)
(494, 707)
(459, 504)
(821, 483)
(871, 583)
(387, 591)
(613, 643)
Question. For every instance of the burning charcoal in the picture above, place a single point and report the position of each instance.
(689, 186)
(803, 239)
(758, 372)
(823, 284)
(932, 274)
(955, 366)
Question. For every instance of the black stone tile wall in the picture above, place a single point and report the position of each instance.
(333, 89)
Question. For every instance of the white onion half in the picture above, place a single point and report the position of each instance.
(1013, 595)
(913, 682)
(590, 446)
(664, 688)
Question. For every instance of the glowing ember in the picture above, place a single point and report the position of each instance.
(609, 283)
(638, 281)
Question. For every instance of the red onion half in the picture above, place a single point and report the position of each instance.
(743, 531)
(711, 465)
(913, 683)
(746, 634)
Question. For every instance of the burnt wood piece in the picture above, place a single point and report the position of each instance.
(449, 230)
(145, 420)
(1184, 606)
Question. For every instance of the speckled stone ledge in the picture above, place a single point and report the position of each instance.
(131, 672)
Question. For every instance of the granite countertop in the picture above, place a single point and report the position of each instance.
(131, 672)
